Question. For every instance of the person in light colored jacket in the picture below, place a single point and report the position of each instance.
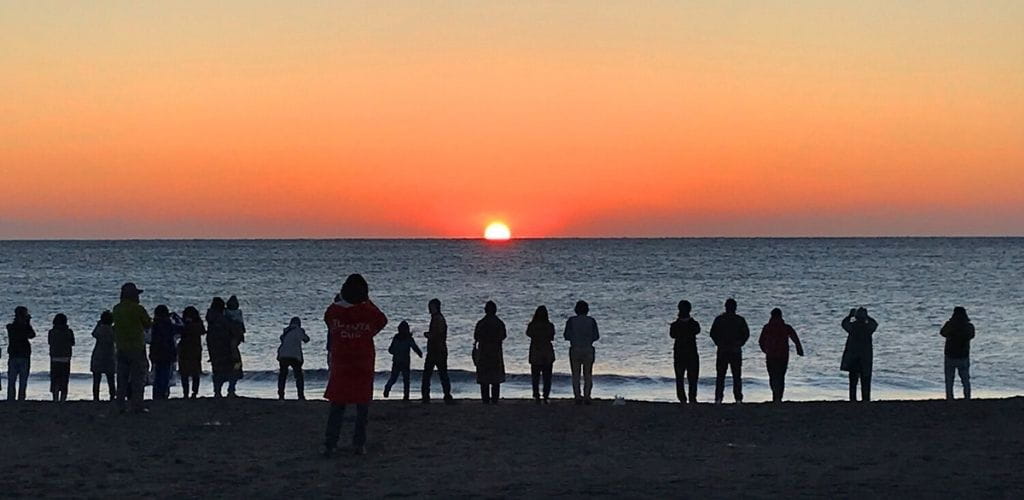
(289, 355)
(104, 356)
(581, 332)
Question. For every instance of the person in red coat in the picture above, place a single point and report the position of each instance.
(352, 323)
(774, 341)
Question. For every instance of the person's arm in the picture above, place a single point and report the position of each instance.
(970, 331)
(796, 341)
(945, 330)
(31, 332)
(763, 339)
(597, 333)
(476, 333)
(144, 317)
(696, 327)
(416, 348)
(872, 325)
(673, 330)
(305, 337)
(744, 332)
(443, 330)
(848, 324)
(504, 331)
(391, 348)
(568, 330)
(71, 333)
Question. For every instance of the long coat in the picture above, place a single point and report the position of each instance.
(104, 356)
(858, 353)
(190, 349)
(490, 365)
(221, 345)
(542, 352)
(351, 328)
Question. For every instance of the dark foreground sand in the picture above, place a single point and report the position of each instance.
(253, 448)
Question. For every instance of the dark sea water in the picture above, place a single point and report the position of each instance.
(632, 285)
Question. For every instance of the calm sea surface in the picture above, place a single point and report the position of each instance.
(632, 285)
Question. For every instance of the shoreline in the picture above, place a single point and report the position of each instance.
(259, 448)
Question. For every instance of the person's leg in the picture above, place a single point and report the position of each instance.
(65, 380)
(282, 377)
(391, 380)
(195, 386)
(442, 373)
(137, 374)
(300, 380)
(721, 365)
(854, 376)
(123, 377)
(53, 380)
(162, 381)
(949, 367)
(184, 385)
(428, 372)
(405, 382)
(576, 366)
(736, 365)
(96, 386)
(693, 376)
(111, 385)
(588, 374)
(12, 378)
(485, 393)
(334, 418)
(359, 435)
(965, 377)
(218, 384)
(495, 393)
(865, 387)
(535, 381)
(232, 385)
(546, 375)
(680, 368)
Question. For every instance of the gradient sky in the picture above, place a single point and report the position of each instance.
(569, 118)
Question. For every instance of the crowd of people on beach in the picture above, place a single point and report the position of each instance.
(175, 341)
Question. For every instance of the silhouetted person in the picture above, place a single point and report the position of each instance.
(162, 350)
(437, 353)
(401, 363)
(104, 357)
(729, 332)
(237, 325)
(958, 332)
(130, 323)
(542, 352)
(351, 324)
(490, 362)
(686, 361)
(289, 355)
(222, 346)
(19, 353)
(774, 342)
(190, 352)
(581, 332)
(61, 339)
(858, 354)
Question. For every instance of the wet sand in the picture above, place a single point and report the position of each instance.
(260, 448)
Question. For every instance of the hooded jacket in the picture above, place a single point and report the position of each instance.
(685, 331)
(291, 342)
(351, 328)
(775, 337)
(18, 335)
(958, 334)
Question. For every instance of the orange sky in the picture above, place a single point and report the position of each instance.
(395, 119)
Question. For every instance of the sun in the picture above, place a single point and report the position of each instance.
(497, 231)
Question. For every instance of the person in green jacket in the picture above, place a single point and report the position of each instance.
(130, 323)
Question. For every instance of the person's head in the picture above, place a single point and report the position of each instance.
(684, 308)
(232, 303)
(130, 292)
(295, 322)
(107, 318)
(730, 305)
(776, 313)
(960, 314)
(403, 329)
(582, 308)
(190, 314)
(60, 321)
(861, 314)
(161, 312)
(21, 314)
(434, 306)
(541, 315)
(490, 308)
(355, 290)
(217, 304)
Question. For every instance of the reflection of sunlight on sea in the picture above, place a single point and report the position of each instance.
(632, 285)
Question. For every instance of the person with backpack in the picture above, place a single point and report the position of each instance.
(401, 363)
(130, 323)
(958, 332)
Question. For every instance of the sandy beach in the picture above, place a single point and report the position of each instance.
(260, 448)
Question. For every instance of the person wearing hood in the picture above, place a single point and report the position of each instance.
(401, 362)
(19, 353)
(488, 337)
(729, 332)
(774, 342)
(858, 353)
(130, 323)
(289, 355)
(61, 339)
(162, 350)
(541, 332)
(581, 332)
(686, 360)
(104, 357)
(958, 332)
(190, 352)
(352, 323)
(220, 342)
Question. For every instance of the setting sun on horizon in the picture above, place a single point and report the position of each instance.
(497, 231)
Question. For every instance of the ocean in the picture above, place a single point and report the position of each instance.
(910, 285)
